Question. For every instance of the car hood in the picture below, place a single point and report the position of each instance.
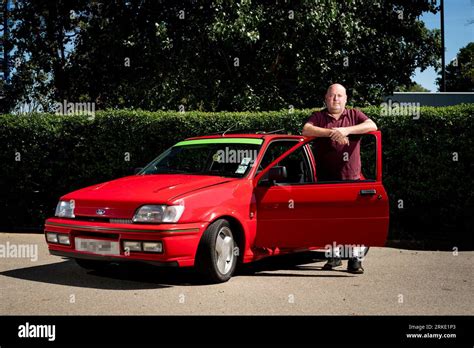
(120, 198)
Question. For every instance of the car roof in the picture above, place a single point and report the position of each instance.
(249, 135)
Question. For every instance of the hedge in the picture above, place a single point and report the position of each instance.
(428, 162)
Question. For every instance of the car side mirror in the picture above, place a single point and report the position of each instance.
(277, 174)
(137, 170)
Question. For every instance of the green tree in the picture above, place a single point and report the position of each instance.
(42, 34)
(222, 55)
(460, 71)
(412, 87)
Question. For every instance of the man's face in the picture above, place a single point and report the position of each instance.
(336, 99)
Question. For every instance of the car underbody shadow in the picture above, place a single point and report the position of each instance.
(126, 276)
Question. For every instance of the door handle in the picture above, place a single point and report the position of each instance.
(370, 192)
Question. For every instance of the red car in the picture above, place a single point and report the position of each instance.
(214, 201)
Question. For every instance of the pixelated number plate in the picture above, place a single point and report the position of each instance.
(101, 247)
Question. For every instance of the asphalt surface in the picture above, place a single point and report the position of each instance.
(395, 282)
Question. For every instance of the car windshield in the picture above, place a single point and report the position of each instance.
(229, 157)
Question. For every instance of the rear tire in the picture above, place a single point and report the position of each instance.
(91, 264)
(215, 258)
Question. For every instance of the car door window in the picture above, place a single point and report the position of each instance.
(274, 150)
(297, 165)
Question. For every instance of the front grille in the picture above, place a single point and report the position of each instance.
(121, 221)
(99, 235)
(104, 219)
(92, 219)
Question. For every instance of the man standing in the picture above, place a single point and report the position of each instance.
(337, 158)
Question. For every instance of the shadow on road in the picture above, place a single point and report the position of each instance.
(292, 262)
(113, 277)
(141, 276)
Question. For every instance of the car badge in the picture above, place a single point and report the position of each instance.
(100, 211)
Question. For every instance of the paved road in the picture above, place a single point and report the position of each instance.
(395, 282)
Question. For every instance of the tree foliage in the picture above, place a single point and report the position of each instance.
(219, 55)
(460, 71)
(412, 87)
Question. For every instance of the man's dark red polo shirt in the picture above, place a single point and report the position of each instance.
(334, 161)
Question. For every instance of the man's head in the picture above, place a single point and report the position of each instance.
(336, 98)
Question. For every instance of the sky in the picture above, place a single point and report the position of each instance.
(458, 33)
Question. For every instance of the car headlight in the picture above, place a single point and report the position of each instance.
(158, 213)
(65, 209)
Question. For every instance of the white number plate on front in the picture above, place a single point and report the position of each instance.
(96, 246)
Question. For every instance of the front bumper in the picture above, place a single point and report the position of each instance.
(180, 241)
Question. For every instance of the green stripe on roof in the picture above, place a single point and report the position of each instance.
(221, 141)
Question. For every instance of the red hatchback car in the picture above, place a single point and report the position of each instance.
(214, 201)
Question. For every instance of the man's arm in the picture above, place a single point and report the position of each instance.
(310, 130)
(362, 128)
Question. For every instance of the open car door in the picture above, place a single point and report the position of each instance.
(313, 214)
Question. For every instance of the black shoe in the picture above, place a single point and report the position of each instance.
(355, 266)
(332, 263)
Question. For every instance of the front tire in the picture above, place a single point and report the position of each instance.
(216, 259)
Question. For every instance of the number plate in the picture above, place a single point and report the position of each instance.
(96, 246)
